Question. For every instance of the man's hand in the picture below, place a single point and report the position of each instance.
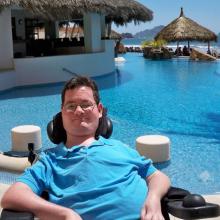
(20, 197)
(158, 185)
(152, 209)
(65, 214)
(72, 216)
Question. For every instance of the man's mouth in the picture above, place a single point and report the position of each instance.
(79, 119)
(83, 123)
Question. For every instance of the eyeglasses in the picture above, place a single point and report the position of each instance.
(71, 107)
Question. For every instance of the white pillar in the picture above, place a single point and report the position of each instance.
(92, 32)
(6, 42)
(108, 29)
(103, 26)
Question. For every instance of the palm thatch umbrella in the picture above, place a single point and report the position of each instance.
(61, 9)
(185, 29)
(127, 11)
(77, 31)
(115, 35)
(74, 31)
(118, 11)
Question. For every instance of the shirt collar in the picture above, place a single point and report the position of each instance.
(100, 142)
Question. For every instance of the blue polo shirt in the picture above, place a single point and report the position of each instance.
(104, 181)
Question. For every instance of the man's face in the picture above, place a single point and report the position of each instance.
(80, 112)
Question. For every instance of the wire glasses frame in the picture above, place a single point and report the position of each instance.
(71, 107)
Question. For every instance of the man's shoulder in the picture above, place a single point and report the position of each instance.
(117, 144)
(112, 142)
(57, 150)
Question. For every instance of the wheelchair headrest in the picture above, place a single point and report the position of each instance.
(57, 133)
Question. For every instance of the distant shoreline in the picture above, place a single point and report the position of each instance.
(134, 42)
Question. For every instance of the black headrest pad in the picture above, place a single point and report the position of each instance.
(55, 129)
(57, 133)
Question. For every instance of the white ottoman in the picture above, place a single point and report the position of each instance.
(23, 135)
(15, 164)
(155, 147)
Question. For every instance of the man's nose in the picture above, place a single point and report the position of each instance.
(79, 109)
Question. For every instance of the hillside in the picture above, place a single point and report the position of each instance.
(127, 35)
(148, 34)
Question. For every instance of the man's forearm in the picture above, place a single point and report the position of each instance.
(21, 198)
(158, 184)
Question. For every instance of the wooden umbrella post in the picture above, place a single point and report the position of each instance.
(177, 48)
(209, 51)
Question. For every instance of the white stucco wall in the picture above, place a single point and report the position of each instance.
(40, 70)
(6, 46)
(7, 80)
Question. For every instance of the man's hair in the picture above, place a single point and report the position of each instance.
(81, 81)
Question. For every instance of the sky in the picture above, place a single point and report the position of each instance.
(204, 12)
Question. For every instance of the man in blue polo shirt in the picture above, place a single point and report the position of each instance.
(88, 178)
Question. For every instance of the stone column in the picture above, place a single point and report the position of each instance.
(6, 42)
(92, 32)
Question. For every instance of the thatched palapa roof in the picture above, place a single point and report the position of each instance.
(118, 11)
(185, 29)
(115, 35)
(129, 10)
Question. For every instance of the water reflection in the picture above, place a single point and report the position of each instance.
(107, 81)
(115, 79)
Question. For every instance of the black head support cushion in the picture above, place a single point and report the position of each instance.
(57, 133)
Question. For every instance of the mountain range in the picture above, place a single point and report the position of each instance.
(147, 34)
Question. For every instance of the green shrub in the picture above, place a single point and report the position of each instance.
(154, 43)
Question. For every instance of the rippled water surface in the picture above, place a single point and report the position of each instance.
(177, 98)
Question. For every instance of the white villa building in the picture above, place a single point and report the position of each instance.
(26, 60)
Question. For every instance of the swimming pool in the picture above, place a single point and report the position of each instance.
(177, 98)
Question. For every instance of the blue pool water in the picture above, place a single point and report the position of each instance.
(177, 98)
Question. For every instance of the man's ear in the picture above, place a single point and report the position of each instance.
(100, 109)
